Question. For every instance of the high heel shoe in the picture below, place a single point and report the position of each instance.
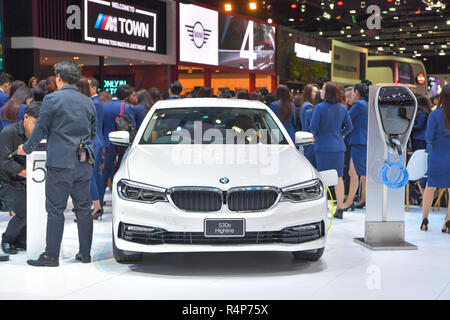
(351, 208)
(446, 228)
(339, 214)
(98, 215)
(361, 206)
(424, 225)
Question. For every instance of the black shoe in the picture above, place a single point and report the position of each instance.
(8, 248)
(361, 206)
(20, 245)
(424, 225)
(4, 257)
(446, 228)
(98, 215)
(44, 261)
(83, 258)
(351, 208)
(339, 214)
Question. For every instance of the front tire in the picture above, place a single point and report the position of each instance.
(121, 257)
(310, 255)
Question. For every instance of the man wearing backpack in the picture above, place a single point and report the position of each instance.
(117, 112)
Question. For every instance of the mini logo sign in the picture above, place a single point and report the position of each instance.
(199, 35)
(224, 180)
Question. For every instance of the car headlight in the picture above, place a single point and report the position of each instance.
(139, 192)
(307, 191)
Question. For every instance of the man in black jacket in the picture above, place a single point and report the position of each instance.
(69, 122)
(13, 177)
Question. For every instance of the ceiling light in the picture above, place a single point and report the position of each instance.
(402, 48)
(428, 8)
(425, 59)
(269, 20)
(290, 34)
(448, 22)
(352, 11)
(252, 5)
(391, 45)
(418, 55)
(228, 7)
(419, 35)
(340, 3)
(291, 19)
(342, 31)
(442, 53)
(293, 6)
(349, 36)
(377, 37)
(395, 18)
(380, 49)
(425, 46)
(435, 27)
(443, 46)
(392, 9)
(363, 34)
(348, 27)
(320, 33)
(362, 30)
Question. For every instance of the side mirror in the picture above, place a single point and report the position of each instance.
(120, 138)
(303, 138)
(329, 177)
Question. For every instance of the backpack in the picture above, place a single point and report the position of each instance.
(124, 123)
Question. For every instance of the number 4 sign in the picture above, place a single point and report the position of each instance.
(249, 38)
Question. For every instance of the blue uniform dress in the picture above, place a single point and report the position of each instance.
(110, 111)
(3, 99)
(290, 123)
(438, 139)
(310, 153)
(306, 106)
(139, 114)
(98, 150)
(359, 113)
(418, 131)
(330, 121)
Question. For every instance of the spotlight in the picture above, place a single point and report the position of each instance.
(293, 6)
(228, 7)
(252, 5)
(340, 3)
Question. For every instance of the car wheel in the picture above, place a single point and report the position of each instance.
(121, 257)
(310, 255)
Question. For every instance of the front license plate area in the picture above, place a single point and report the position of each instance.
(224, 228)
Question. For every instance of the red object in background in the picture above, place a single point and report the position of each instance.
(293, 6)
(340, 3)
(420, 78)
(390, 0)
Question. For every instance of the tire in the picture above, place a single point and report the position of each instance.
(310, 255)
(121, 257)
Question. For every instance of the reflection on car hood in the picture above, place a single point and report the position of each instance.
(204, 165)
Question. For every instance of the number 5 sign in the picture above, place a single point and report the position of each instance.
(36, 213)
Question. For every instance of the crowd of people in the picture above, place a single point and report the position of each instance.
(337, 117)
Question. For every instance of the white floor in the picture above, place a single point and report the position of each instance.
(346, 271)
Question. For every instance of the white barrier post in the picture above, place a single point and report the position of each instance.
(36, 213)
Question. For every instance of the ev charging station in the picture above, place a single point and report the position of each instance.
(392, 111)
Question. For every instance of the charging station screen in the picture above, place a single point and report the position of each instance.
(396, 108)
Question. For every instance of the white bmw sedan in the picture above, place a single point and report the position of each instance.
(217, 175)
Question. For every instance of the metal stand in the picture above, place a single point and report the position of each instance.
(385, 226)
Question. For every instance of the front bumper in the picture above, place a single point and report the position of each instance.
(180, 231)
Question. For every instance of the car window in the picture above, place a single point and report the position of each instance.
(212, 126)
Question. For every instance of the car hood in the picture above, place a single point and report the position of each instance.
(204, 165)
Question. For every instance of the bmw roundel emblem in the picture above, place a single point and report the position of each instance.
(224, 180)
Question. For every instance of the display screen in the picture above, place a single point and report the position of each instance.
(405, 74)
(397, 107)
(120, 25)
(246, 44)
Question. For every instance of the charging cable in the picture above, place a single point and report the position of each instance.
(332, 208)
(399, 179)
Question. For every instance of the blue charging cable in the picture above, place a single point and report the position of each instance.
(399, 179)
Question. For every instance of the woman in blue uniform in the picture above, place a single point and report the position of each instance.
(329, 123)
(437, 136)
(420, 124)
(285, 110)
(359, 113)
(308, 97)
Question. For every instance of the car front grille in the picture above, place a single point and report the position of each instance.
(198, 199)
(155, 236)
(204, 199)
(251, 199)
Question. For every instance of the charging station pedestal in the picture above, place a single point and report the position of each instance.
(392, 111)
(36, 213)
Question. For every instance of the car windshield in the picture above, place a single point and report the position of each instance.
(218, 125)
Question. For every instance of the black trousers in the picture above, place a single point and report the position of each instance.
(16, 200)
(60, 184)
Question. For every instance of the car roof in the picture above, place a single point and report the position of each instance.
(209, 102)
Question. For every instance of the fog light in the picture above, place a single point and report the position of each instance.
(139, 229)
(304, 228)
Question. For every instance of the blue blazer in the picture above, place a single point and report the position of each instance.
(308, 118)
(100, 114)
(67, 118)
(306, 106)
(290, 123)
(110, 111)
(359, 113)
(438, 138)
(139, 113)
(4, 97)
(330, 121)
(420, 126)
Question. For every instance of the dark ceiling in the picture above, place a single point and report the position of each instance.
(408, 28)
